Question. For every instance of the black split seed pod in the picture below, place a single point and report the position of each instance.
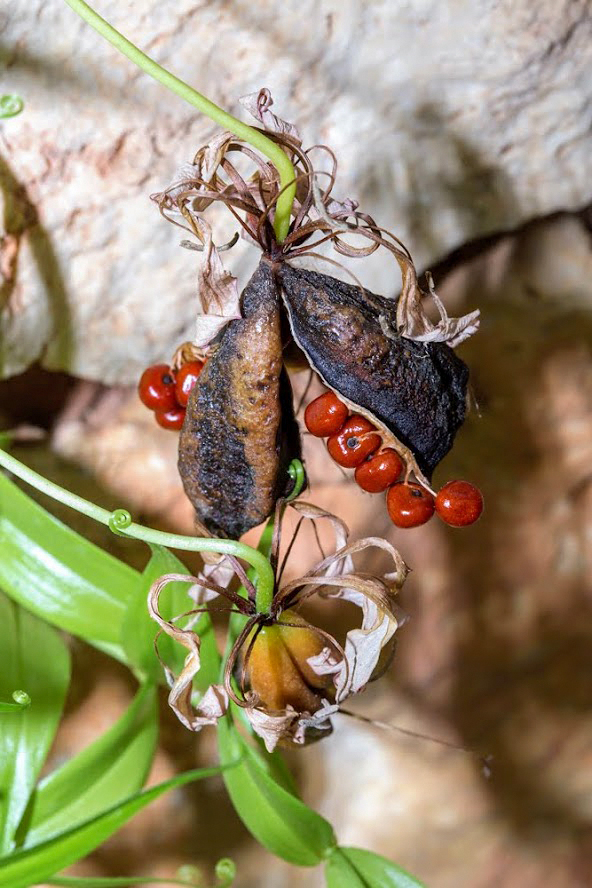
(240, 433)
(416, 390)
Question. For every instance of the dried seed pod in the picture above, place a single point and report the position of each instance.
(416, 391)
(240, 433)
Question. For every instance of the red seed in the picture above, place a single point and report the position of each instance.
(380, 471)
(157, 387)
(170, 419)
(409, 505)
(350, 448)
(325, 415)
(187, 376)
(459, 503)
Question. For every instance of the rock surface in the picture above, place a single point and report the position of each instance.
(449, 120)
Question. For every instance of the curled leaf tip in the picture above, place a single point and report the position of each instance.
(10, 106)
(21, 701)
(225, 871)
(119, 521)
(191, 875)
(298, 476)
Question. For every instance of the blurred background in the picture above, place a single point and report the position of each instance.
(465, 128)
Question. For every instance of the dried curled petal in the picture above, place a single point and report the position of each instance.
(291, 726)
(240, 433)
(416, 391)
(218, 296)
(415, 324)
(214, 702)
(258, 104)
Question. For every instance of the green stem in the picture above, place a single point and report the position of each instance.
(106, 882)
(263, 597)
(120, 522)
(272, 151)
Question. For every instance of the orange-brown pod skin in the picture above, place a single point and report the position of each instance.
(240, 433)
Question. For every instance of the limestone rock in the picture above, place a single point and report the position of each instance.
(449, 121)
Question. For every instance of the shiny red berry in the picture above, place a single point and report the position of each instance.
(325, 415)
(353, 444)
(185, 380)
(170, 419)
(380, 471)
(157, 387)
(409, 504)
(459, 503)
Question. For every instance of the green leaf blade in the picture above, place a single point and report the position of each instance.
(100, 776)
(275, 817)
(356, 868)
(34, 657)
(60, 576)
(36, 864)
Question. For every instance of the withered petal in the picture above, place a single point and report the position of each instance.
(290, 726)
(212, 706)
(218, 296)
(258, 104)
(414, 323)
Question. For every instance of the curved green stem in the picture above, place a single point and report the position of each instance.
(120, 522)
(263, 600)
(298, 476)
(272, 151)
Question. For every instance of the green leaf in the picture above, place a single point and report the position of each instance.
(355, 868)
(35, 658)
(100, 776)
(31, 866)
(58, 575)
(271, 762)
(275, 817)
(139, 629)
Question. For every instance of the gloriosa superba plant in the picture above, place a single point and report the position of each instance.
(280, 676)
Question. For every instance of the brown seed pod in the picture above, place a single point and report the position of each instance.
(240, 433)
(413, 391)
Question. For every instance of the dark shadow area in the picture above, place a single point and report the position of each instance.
(35, 397)
(21, 220)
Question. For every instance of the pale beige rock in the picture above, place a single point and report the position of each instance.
(450, 121)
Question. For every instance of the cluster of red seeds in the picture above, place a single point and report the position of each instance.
(166, 392)
(353, 442)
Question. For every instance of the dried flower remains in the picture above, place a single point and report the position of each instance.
(287, 675)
